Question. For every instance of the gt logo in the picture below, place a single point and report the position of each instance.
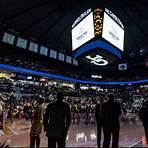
(97, 60)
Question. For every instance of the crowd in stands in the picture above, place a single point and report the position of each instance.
(20, 100)
(6, 85)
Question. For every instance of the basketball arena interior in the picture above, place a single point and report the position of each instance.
(84, 48)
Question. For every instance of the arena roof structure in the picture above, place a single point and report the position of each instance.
(50, 21)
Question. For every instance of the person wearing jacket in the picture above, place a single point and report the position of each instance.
(111, 125)
(57, 119)
(36, 124)
(143, 114)
(99, 119)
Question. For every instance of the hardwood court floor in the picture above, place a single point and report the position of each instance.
(82, 135)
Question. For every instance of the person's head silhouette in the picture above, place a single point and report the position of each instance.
(60, 96)
(111, 97)
(101, 97)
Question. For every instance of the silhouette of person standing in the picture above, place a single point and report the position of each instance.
(1, 115)
(99, 119)
(57, 120)
(111, 126)
(143, 114)
(36, 124)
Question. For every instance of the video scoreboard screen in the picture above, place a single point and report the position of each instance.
(112, 32)
(83, 32)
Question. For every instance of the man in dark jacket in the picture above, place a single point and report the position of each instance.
(111, 126)
(143, 114)
(56, 122)
(99, 119)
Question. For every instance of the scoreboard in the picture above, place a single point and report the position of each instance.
(97, 37)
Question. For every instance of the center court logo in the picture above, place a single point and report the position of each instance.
(97, 60)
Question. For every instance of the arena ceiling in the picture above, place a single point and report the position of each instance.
(49, 21)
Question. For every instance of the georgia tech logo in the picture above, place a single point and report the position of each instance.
(97, 60)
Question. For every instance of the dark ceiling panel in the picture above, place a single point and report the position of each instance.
(29, 20)
(10, 9)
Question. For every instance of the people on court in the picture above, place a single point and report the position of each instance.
(57, 120)
(99, 119)
(111, 125)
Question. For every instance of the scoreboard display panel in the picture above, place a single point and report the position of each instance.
(112, 32)
(83, 32)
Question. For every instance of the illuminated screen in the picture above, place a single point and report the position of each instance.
(83, 32)
(22, 43)
(44, 50)
(112, 32)
(8, 38)
(33, 47)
